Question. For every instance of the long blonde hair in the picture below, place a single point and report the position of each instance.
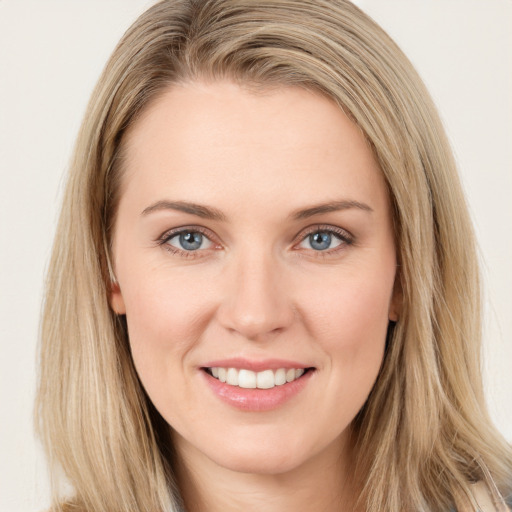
(424, 434)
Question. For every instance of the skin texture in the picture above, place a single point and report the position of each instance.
(256, 288)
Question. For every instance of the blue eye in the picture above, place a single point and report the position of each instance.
(322, 240)
(189, 241)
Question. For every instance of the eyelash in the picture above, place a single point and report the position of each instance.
(162, 241)
(346, 238)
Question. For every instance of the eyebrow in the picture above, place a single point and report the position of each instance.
(332, 206)
(208, 212)
(205, 212)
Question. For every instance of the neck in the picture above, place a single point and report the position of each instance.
(319, 484)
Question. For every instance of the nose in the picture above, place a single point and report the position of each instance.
(257, 301)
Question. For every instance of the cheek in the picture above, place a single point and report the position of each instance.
(166, 316)
(350, 312)
(163, 305)
(349, 321)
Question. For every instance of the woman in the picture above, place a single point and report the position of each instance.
(264, 288)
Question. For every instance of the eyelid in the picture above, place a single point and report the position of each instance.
(171, 233)
(342, 234)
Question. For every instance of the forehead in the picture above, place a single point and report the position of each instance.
(207, 140)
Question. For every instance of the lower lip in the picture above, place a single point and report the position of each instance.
(257, 400)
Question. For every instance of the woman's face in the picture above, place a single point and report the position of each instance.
(253, 241)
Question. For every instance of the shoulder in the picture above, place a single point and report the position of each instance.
(485, 499)
(485, 502)
(67, 506)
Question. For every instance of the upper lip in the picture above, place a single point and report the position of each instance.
(255, 365)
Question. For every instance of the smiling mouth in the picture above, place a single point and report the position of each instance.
(249, 379)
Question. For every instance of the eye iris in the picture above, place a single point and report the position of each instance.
(320, 241)
(190, 240)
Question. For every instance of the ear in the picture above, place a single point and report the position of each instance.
(116, 299)
(395, 305)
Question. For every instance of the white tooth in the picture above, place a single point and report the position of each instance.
(290, 375)
(247, 379)
(222, 374)
(299, 372)
(280, 377)
(232, 376)
(215, 372)
(265, 379)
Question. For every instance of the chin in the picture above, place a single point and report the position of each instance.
(259, 463)
(271, 456)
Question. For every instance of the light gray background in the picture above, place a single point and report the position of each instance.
(51, 54)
